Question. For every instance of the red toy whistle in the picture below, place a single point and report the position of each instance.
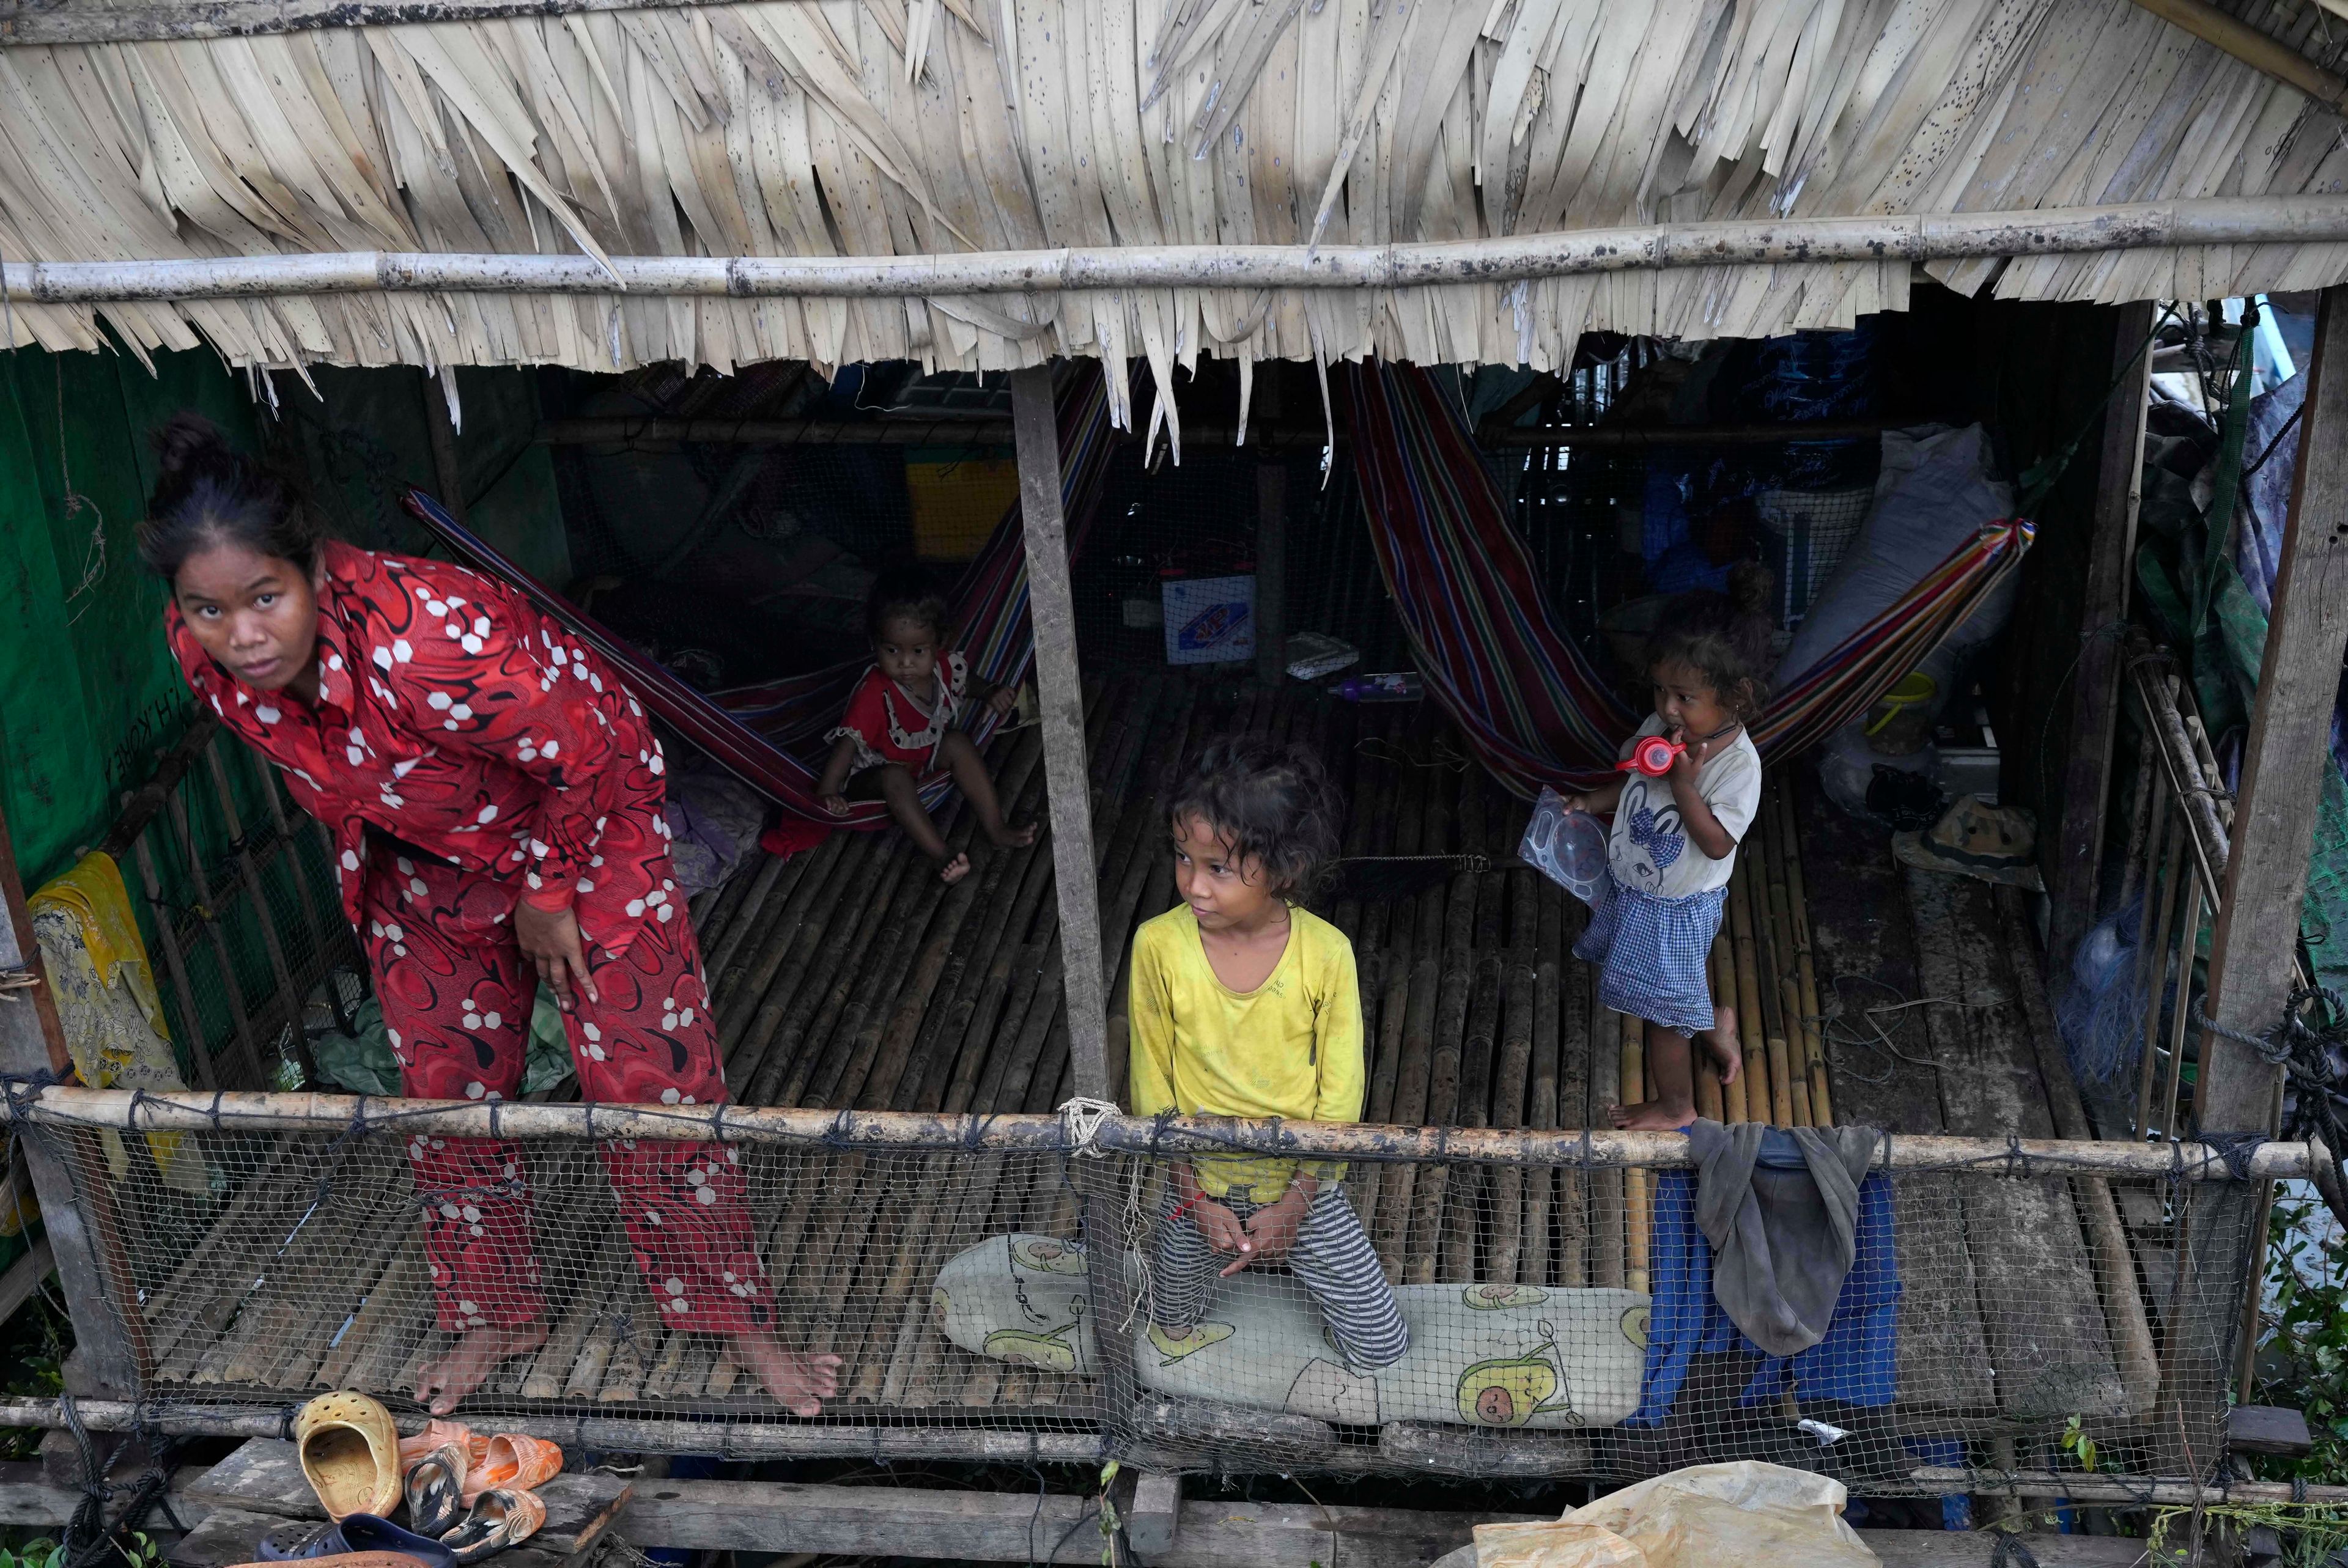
(1652, 756)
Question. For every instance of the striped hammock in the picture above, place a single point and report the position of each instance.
(759, 732)
(1527, 698)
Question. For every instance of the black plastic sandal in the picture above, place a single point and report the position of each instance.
(501, 1518)
(434, 1483)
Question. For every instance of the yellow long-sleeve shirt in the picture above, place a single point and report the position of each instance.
(1290, 1048)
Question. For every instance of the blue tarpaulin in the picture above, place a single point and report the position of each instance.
(1853, 1364)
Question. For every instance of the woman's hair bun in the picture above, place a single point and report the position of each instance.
(208, 494)
(188, 443)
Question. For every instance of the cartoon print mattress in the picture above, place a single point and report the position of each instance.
(1480, 1354)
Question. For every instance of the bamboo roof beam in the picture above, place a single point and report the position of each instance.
(624, 430)
(1910, 236)
(2255, 49)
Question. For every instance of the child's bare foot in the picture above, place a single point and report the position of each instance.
(1721, 1040)
(1651, 1116)
(1014, 836)
(442, 1382)
(800, 1383)
(954, 870)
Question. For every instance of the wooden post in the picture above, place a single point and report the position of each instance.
(1271, 573)
(2288, 752)
(447, 471)
(1051, 607)
(106, 1360)
(2096, 683)
(1153, 1517)
(2257, 938)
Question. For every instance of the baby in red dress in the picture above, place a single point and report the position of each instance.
(899, 731)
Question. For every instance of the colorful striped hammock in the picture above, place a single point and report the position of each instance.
(757, 732)
(1527, 698)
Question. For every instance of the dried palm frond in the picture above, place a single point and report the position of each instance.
(880, 128)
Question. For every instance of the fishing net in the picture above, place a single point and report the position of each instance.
(1010, 1287)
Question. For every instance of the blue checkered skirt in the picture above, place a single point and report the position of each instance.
(1653, 955)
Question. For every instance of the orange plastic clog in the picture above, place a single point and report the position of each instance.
(513, 1464)
(440, 1433)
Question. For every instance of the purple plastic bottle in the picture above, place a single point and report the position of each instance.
(1395, 686)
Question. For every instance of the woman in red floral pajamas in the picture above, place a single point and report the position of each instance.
(495, 799)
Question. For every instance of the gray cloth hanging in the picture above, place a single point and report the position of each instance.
(1780, 1207)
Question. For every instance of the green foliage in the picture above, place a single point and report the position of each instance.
(2304, 1359)
(1109, 1521)
(137, 1550)
(32, 1358)
(42, 1553)
(2310, 1534)
(2079, 1445)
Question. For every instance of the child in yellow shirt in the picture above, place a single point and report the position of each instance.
(1245, 1003)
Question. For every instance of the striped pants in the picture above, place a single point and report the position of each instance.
(1333, 1258)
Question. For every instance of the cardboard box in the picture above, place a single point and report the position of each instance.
(1209, 620)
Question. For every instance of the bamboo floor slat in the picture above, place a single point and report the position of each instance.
(849, 977)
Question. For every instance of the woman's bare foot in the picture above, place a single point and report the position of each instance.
(800, 1383)
(953, 869)
(1721, 1040)
(1014, 836)
(470, 1361)
(1651, 1116)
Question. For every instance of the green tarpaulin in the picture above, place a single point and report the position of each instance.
(88, 695)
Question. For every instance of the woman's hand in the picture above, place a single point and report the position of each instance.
(834, 802)
(1002, 699)
(550, 939)
(1272, 1228)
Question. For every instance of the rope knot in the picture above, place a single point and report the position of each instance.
(2235, 1149)
(1080, 1123)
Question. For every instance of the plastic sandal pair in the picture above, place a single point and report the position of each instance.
(447, 1465)
(361, 1468)
(450, 1469)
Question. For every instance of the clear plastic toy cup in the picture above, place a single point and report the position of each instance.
(1567, 847)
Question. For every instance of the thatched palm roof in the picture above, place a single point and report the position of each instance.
(891, 126)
